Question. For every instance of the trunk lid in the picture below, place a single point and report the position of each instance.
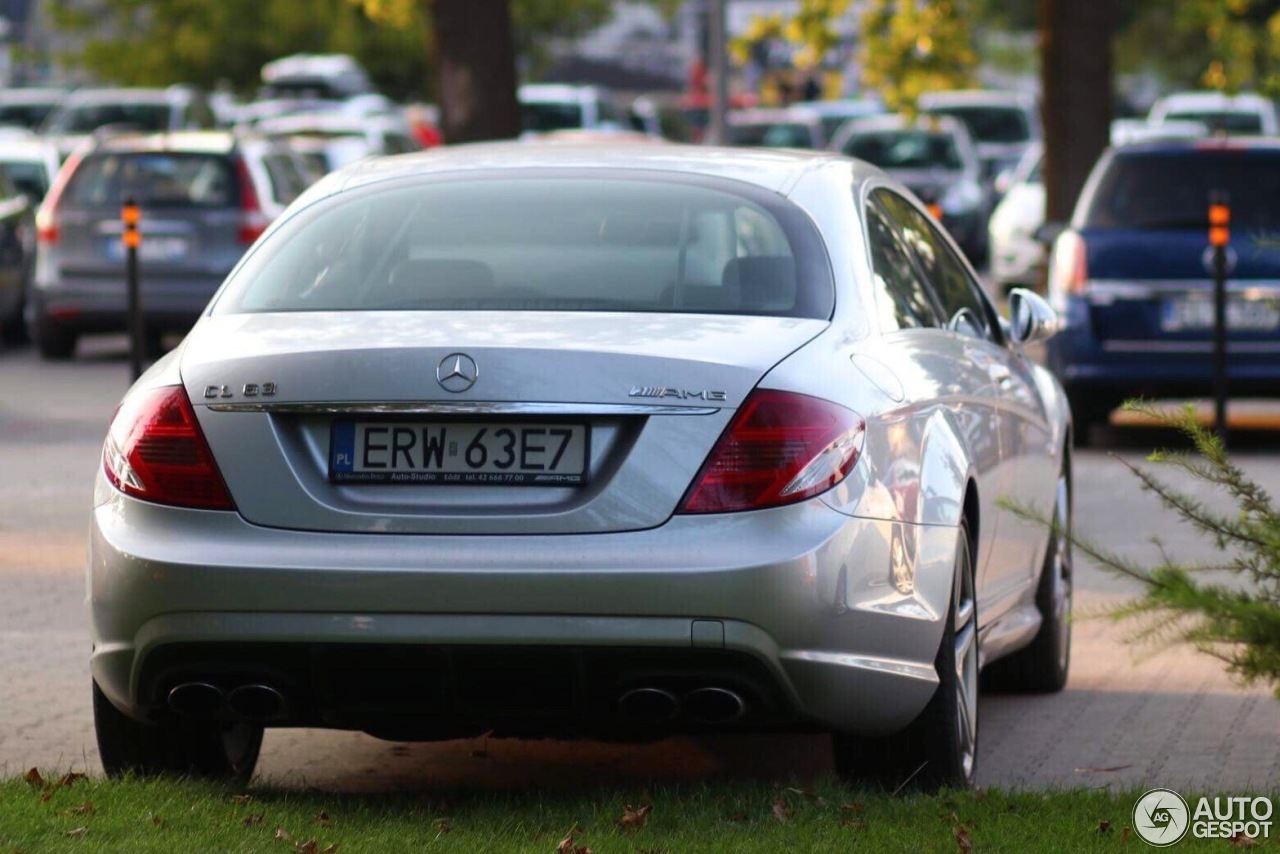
(646, 396)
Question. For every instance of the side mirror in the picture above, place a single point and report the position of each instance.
(1047, 233)
(1031, 319)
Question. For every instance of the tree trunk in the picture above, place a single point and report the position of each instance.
(1075, 82)
(477, 69)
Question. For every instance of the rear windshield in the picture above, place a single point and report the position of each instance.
(771, 135)
(87, 118)
(1171, 189)
(30, 178)
(990, 124)
(1224, 121)
(153, 179)
(24, 115)
(549, 116)
(566, 243)
(912, 149)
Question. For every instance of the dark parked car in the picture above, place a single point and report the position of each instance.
(17, 248)
(205, 197)
(1132, 275)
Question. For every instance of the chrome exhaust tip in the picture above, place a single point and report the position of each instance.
(256, 702)
(714, 705)
(196, 699)
(648, 705)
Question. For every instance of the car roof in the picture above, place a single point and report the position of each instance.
(1208, 100)
(897, 121)
(772, 115)
(32, 95)
(135, 95)
(25, 148)
(195, 141)
(773, 169)
(1205, 144)
(977, 98)
(557, 92)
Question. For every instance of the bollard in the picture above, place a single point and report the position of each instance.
(1219, 237)
(132, 239)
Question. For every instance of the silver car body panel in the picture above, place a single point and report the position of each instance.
(841, 596)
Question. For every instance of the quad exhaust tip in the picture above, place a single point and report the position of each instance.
(649, 705)
(713, 705)
(196, 699)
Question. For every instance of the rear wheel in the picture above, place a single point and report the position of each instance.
(54, 342)
(1041, 668)
(174, 747)
(940, 747)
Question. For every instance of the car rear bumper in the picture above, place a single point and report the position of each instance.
(1156, 367)
(102, 304)
(438, 636)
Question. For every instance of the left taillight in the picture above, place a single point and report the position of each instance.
(155, 451)
(779, 448)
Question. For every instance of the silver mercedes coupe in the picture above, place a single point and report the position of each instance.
(586, 441)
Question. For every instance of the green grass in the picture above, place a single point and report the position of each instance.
(166, 816)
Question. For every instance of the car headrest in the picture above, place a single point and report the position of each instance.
(767, 282)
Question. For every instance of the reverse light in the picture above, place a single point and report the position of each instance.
(779, 448)
(155, 451)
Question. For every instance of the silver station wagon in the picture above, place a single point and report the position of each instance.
(586, 440)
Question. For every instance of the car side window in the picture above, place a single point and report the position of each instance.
(964, 309)
(902, 299)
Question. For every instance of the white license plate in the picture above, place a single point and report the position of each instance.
(1179, 315)
(157, 248)
(454, 452)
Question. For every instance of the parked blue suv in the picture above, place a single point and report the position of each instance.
(1132, 276)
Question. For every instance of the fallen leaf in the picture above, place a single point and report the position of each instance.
(962, 839)
(85, 808)
(242, 800)
(1102, 770)
(855, 807)
(46, 796)
(1104, 826)
(780, 811)
(282, 834)
(77, 833)
(567, 846)
(70, 778)
(442, 827)
(157, 821)
(323, 819)
(1124, 834)
(633, 817)
(33, 777)
(980, 794)
(254, 820)
(1239, 840)
(950, 817)
(308, 847)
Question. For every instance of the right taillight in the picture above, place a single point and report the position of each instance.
(155, 451)
(779, 448)
(253, 221)
(1068, 268)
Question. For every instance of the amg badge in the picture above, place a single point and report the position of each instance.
(677, 393)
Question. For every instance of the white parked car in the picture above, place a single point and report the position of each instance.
(1017, 258)
(560, 106)
(330, 140)
(1246, 113)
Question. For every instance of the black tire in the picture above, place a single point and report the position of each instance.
(174, 747)
(55, 343)
(940, 747)
(1087, 413)
(1042, 667)
(13, 329)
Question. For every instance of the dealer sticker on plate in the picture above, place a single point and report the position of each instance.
(443, 452)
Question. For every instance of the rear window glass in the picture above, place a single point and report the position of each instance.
(87, 118)
(1225, 121)
(990, 124)
(540, 118)
(913, 149)
(543, 244)
(154, 179)
(772, 135)
(1171, 189)
(29, 178)
(24, 115)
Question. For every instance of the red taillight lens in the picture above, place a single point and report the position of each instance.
(252, 220)
(780, 448)
(155, 451)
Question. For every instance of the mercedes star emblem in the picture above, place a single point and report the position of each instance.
(457, 372)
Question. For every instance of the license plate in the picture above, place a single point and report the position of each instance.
(154, 248)
(454, 452)
(1181, 315)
